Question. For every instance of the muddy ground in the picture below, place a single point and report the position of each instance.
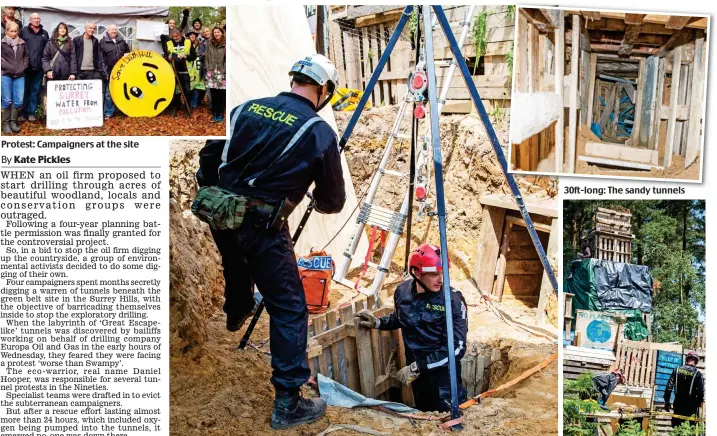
(219, 390)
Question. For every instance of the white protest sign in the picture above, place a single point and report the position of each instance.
(74, 104)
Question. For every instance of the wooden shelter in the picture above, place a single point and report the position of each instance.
(358, 36)
(632, 87)
(507, 264)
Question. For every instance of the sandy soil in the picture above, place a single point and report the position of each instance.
(219, 390)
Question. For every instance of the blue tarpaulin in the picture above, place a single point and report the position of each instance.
(339, 395)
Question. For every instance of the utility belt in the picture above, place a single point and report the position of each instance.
(224, 210)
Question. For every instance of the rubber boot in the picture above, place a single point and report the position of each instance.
(14, 113)
(6, 121)
(291, 409)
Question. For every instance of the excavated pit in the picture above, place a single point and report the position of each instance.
(216, 389)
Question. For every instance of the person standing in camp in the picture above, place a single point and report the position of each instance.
(35, 38)
(278, 147)
(171, 25)
(58, 59)
(421, 315)
(180, 54)
(15, 60)
(196, 72)
(112, 48)
(215, 60)
(689, 386)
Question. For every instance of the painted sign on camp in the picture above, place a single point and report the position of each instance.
(595, 329)
(74, 104)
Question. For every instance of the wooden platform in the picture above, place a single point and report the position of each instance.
(619, 163)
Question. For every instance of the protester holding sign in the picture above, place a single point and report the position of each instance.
(112, 48)
(58, 59)
(35, 38)
(215, 61)
(14, 63)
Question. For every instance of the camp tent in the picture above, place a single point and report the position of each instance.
(141, 27)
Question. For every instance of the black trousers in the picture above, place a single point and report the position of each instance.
(266, 257)
(218, 101)
(184, 82)
(680, 408)
(432, 389)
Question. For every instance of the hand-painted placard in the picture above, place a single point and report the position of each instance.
(74, 104)
(597, 329)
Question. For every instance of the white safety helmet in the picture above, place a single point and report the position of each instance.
(319, 68)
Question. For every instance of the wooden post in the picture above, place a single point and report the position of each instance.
(674, 95)
(638, 105)
(694, 132)
(523, 66)
(572, 113)
(533, 55)
(546, 288)
(488, 247)
(335, 352)
(585, 69)
(406, 391)
(591, 89)
(616, 107)
(502, 262)
(350, 357)
(655, 137)
(559, 76)
(365, 357)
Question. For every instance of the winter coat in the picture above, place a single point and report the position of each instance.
(2, 25)
(183, 47)
(14, 63)
(35, 43)
(215, 65)
(112, 52)
(98, 61)
(689, 386)
(65, 63)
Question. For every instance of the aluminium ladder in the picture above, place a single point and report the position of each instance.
(385, 219)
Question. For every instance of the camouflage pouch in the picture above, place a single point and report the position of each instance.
(220, 208)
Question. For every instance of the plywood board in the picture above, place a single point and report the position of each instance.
(259, 68)
(598, 330)
(621, 152)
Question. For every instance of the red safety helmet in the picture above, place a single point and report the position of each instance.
(426, 258)
(692, 355)
(620, 375)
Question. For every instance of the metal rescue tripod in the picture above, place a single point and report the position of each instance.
(438, 169)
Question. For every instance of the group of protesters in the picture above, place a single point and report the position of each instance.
(199, 56)
(31, 57)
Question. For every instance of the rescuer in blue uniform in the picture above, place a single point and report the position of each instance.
(420, 313)
(277, 148)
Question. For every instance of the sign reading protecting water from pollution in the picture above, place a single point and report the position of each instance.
(142, 84)
(596, 329)
(74, 104)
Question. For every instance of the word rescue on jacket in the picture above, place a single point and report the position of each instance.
(273, 114)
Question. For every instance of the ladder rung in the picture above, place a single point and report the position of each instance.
(443, 64)
(402, 136)
(395, 173)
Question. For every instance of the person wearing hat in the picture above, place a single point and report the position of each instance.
(688, 384)
(277, 148)
(180, 53)
(9, 16)
(606, 383)
(421, 315)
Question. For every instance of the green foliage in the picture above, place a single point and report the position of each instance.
(509, 58)
(688, 429)
(479, 33)
(210, 16)
(498, 112)
(581, 388)
(630, 428)
(575, 423)
(413, 23)
(511, 12)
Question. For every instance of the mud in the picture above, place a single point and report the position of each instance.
(218, 390)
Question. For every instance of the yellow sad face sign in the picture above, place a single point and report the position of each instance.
(142, 84)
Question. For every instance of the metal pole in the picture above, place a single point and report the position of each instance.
(496, 145)
(440, 200)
